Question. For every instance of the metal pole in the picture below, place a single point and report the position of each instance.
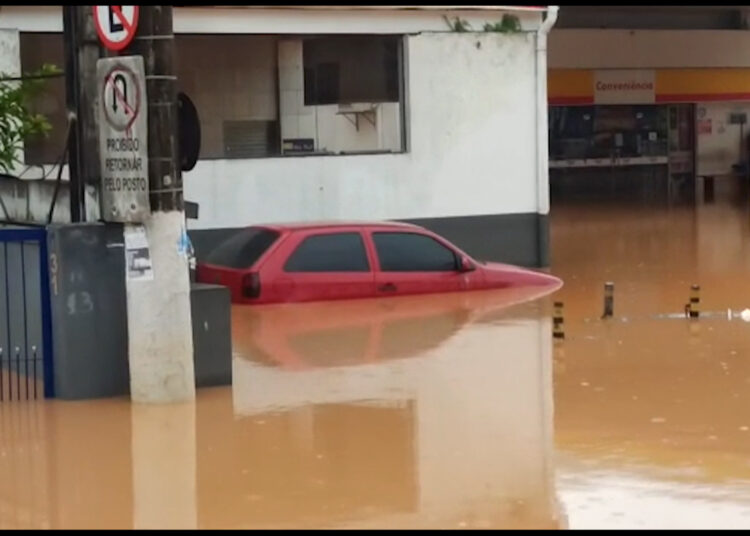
(695, 301)
(609, 300)
(71, 45)
(558, 329)
(82, 51)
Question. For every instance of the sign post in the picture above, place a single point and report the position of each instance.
(134, 98)
(123, 139)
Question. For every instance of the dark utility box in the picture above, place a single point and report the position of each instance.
(90, 321)
(89, 310)
(212, 334)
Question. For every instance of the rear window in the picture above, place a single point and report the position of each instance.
(243, 249)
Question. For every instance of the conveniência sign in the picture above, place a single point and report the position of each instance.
(624, 86)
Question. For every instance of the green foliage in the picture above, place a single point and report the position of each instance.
(509, 24)
(458, 25)
(17, 122)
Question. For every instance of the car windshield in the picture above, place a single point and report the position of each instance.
(243, 249)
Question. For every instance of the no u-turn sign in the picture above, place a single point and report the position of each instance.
(116, 25)
(123, 139)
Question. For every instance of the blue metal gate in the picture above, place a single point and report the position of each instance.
(25, 316)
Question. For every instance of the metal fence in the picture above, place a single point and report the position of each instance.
(25, 318)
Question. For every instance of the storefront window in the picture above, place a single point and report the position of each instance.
(596, 132)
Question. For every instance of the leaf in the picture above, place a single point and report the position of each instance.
(17, 121)
(458, 25)
(508, 24)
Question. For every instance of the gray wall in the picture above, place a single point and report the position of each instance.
(29, 201)
(521, 239)
(88, 310)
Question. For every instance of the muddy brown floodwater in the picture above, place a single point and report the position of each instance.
(451, 411)
(652, 418)
(432, 411)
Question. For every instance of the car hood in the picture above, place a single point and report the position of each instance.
(516, 276)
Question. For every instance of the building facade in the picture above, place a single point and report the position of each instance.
(319, 113)
(369, 112)
(650, 98)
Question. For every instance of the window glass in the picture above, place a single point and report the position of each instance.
(337, 252)
(243, 249)
(410, 252)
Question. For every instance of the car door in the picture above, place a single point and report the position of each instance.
(414, 263)
(329, 265)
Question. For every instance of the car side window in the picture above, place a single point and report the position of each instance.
(333, 252)
(411, 252)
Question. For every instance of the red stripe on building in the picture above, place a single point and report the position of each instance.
(660, 99)
(703, 97)
(565, 101)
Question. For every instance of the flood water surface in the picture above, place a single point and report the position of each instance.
(448, 411)
(419, 412)
(652, 427)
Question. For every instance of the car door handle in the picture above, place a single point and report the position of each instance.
(388, 287)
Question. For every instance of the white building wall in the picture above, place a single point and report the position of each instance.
(470, 117)
(263, 20)
(330, 130)
(10, 58)
(10, 52)
(334, 132)
(720, 144)
(297, 120)
(643, 49)
(469, 120)
(245, 79)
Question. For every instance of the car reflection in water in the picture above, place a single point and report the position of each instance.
(429, 411)
(414, 412)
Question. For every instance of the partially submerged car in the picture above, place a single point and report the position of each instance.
(307, 262)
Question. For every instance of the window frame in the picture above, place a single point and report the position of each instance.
(437, 240)
(312, 96)
(404, 127)
(327, 233)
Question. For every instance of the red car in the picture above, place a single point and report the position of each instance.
(333, 261)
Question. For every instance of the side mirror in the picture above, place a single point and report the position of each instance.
(466, 265)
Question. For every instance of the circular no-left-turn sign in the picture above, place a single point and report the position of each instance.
(116, 25)
(121, 98)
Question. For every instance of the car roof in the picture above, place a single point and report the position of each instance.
(306, 226)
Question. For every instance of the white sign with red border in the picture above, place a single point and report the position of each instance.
(116, 25)
(123, 139)
(624, 86)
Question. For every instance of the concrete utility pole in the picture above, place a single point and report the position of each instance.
(159, 320)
